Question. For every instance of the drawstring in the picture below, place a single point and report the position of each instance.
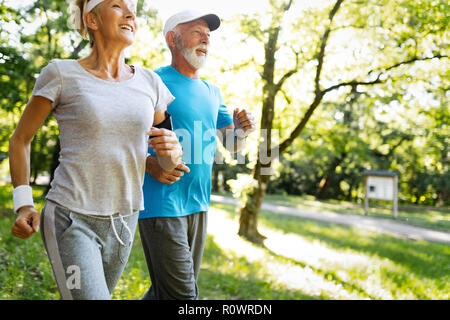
(126, 227)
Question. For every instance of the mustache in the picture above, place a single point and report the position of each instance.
(201, 46)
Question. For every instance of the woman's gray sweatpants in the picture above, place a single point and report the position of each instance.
(85, 253)
(173, 248)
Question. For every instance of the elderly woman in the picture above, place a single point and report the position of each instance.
(105, 111)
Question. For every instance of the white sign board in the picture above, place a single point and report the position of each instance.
(381, 185)
(380, 188)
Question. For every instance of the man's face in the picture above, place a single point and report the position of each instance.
(192, 40)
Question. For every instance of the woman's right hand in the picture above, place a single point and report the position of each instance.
(166, 145)
(34, 115)
(27, 222)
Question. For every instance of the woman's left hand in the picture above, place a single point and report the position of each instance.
(165, 143)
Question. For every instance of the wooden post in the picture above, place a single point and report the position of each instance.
(395, 200)
(366, 197)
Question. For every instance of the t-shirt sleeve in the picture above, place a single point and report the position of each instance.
(48, 84)
(163, 95)
(224, 117)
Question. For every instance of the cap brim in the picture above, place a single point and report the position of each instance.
(212, 20)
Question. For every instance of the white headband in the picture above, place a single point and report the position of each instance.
(89, 6)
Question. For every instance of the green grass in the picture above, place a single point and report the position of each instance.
(407, 269)
(25, 272)
(301, 259)
(437, 218)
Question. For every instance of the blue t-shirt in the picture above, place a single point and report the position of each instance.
(197, 112)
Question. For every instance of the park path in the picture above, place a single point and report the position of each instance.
(376, 224)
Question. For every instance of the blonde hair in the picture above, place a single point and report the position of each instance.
(77, 8)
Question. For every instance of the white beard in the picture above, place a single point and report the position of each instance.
(191, 56)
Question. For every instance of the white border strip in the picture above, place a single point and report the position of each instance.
(51, 244)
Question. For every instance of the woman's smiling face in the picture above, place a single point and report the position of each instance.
(118, 21)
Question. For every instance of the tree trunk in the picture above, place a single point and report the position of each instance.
(248, 221)
(326, 181)
(249, 213)
(215, 179)
(324, 185)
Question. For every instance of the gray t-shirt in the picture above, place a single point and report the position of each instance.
(103, 134)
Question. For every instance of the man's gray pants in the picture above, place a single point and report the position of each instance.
(173, 250)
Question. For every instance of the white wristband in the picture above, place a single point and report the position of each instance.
(22, 196)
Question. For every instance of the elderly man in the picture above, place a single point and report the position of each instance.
(173, 225)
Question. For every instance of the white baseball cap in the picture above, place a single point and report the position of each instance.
(211, 19)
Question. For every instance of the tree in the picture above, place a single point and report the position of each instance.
(393, 55)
